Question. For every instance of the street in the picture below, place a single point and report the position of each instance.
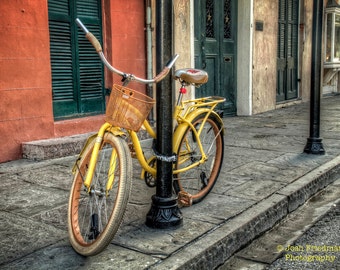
(318, 248)
(308, 238)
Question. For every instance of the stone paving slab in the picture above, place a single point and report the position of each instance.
(266, 142)
(256, 190)
(218, 208)
(62, 256)
(298, 162)
(17, 166)
(161, 243)
(56, 216)
(21, 236)
(54, 176)
(28, 199)
(258, 170)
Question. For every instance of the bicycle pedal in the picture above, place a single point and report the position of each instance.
(184, 199)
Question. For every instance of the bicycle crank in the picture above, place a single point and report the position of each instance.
(149, 179)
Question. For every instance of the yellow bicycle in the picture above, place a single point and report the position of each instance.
(103, 170)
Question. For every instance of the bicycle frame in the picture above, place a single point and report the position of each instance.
(194, 108)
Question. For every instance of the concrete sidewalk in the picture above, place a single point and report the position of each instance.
(265, 176)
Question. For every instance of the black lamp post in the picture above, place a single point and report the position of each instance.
(164, 210)
(314, 142)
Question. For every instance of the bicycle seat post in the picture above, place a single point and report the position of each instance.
(182, 91)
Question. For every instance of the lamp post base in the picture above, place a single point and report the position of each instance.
(314, 146)
(164, 213)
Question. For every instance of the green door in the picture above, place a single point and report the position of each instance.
(287, 52)
(77, 73)
(215, 49)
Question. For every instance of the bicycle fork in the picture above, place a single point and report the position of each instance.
(94, 158)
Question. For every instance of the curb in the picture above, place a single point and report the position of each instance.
(218, 245)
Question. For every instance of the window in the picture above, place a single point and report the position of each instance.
(77, 73)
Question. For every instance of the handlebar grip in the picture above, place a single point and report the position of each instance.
(160, 76)
(94, 41)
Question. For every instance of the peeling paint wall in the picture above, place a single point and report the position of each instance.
(183, 41)
(306, 22)
(265, 55)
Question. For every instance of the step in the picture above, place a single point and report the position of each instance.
(65, 146)
(54, 148)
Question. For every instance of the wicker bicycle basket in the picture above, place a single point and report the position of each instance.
(128, 108)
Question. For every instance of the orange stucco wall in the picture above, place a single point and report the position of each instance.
(128, 38)
(26, 112)
(25, 76)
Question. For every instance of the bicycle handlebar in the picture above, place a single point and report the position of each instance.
(96, 44)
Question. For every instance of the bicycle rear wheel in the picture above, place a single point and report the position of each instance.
(198, 181)
(94, 217)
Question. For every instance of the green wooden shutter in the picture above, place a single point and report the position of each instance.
(287, 50)
(77, 73)
(281, 55)
(292, 49)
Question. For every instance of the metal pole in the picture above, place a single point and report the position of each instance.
(314, 142)
(164, 210)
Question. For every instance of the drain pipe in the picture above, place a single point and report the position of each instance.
(149, 70)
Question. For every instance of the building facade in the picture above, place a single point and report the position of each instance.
(51, 81)
(257, 54)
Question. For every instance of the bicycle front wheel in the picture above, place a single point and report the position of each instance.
(95, 215)
(198, 181)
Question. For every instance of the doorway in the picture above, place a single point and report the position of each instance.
(215, 49)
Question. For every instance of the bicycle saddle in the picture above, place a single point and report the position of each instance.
(191, 76)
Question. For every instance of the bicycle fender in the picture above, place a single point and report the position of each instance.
(88, 141)
(114, 131)
(220, 121)
(181, 128)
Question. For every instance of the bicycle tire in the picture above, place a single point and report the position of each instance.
(95, 217)
(199, 180)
